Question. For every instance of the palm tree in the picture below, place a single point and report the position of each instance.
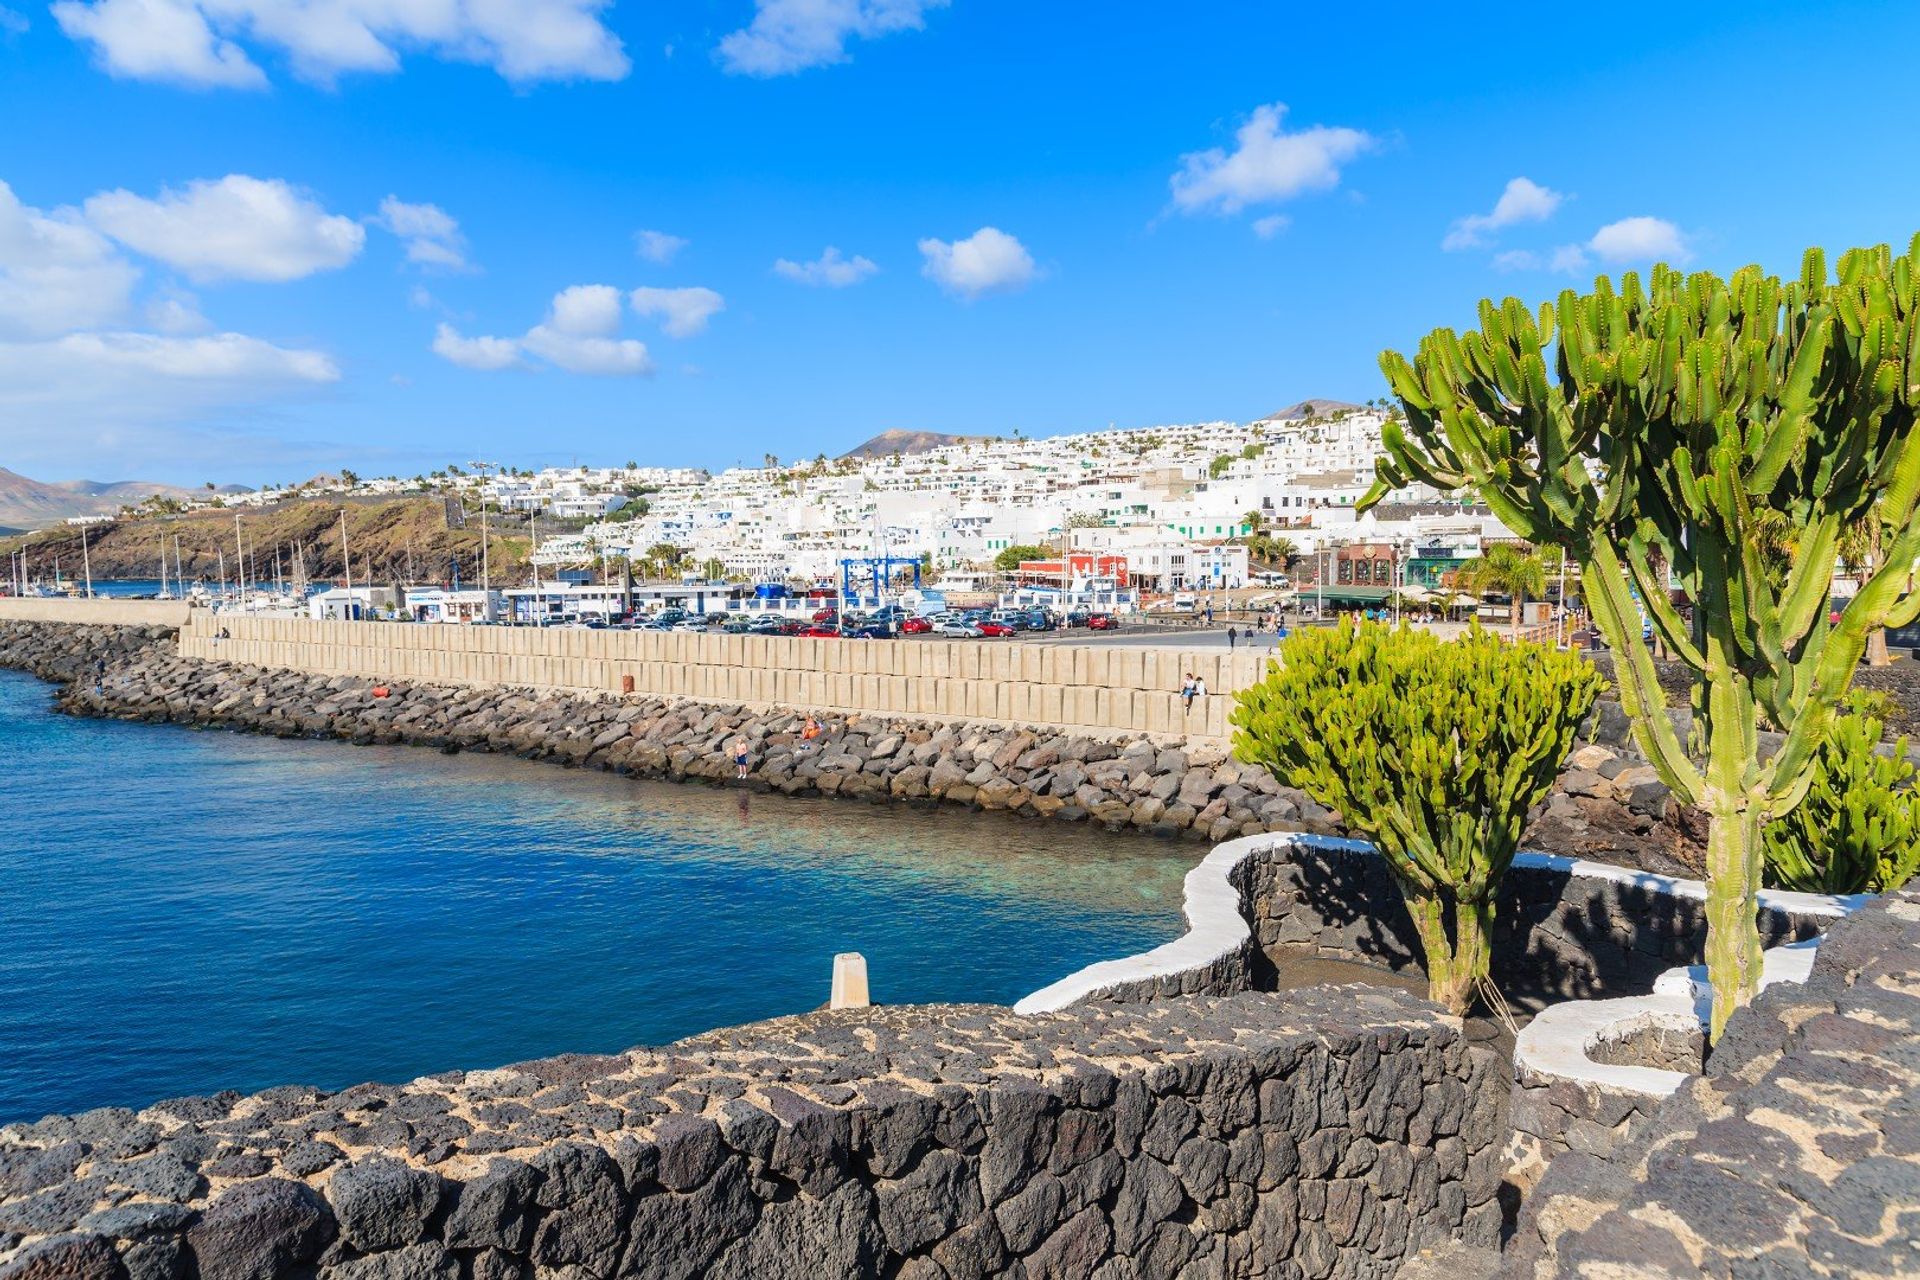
(1508, 570)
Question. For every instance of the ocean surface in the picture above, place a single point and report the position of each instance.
(188, 911)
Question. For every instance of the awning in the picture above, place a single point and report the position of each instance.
(1346, 595)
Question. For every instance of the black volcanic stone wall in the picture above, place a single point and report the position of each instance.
(1329, 1134)
(1556, 935)
(1796, 1154)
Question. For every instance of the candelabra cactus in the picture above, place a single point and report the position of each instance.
(1434, 751)
(1665, 423)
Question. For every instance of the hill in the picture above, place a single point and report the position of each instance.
(28, 504)
(896, 440)
(385, 534)
(1315, 407)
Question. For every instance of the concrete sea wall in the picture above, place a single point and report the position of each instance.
(1101, 689)
(171, 614)
(1178, 787)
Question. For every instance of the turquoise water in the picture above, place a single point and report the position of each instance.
(187, 911)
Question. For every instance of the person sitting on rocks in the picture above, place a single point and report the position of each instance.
(808, 733)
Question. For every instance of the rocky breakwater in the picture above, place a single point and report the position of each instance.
(1331, 1134)
(1609, 805)
(66, 653)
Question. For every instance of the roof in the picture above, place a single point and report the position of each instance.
(1347, 595)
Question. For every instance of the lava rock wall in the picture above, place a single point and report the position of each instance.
(1332, 1134)
(1796, 1154)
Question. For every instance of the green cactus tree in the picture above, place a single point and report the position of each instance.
(1435, 751)
(1664, 423)
(1858, 830)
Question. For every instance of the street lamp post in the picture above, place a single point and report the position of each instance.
(486, 577)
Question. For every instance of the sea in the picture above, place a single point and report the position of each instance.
(186, 911)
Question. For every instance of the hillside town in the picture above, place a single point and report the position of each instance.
(1116, 518)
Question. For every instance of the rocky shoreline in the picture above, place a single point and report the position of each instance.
(1608, 805)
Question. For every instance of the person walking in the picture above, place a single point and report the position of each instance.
(1233, 634)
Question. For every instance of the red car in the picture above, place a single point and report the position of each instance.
(994, 628)
(826, 615)
(915, 627)
(822, 632)
(1103, 622)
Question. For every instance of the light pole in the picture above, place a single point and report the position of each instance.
(486, 581)
(346, 558)
(86, 561)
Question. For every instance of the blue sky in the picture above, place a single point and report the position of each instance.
(246, 240)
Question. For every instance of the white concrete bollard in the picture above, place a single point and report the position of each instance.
(849, 981)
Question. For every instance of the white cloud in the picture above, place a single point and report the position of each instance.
(176, 313)
(1516, 260)
(198, 42)
(485, 354)
(792, 35)
(577, 336)
(237, 228)
(56, 273)
(1569, 258)
(1640, 239)
(431, 234)
(108, 392)
(165, 40)
(987, 261)
(829, 269)
(605, 357)
(681, 312)
(214, 357)
(13, 23)
(1271, 225)
(1523, 200)
(74, 378)
(657, 246)
(586, 310)
(1267, 164)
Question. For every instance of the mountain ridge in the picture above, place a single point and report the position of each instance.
(29, 503)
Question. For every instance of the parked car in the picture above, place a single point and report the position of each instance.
(1102, 622)
(871, 631)
(959, 629)
(829, 614)
(992, 628)
(695, 623)
(791, 627)
(915, 627)
(737, 626)
(820, 631)
(1039, 620)
(1077, 617)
